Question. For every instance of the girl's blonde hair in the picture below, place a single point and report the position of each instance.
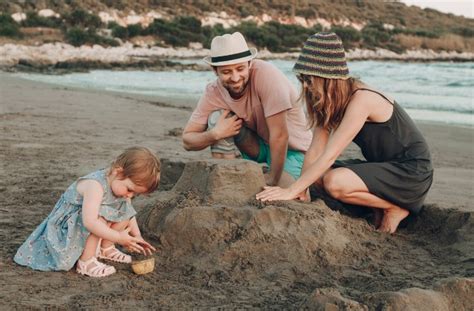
(140, 165)
(326, 99)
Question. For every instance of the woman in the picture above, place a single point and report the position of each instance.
(398, 173)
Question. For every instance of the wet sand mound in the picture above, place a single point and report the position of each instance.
(209, 226)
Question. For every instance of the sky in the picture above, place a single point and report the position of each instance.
(457, 7)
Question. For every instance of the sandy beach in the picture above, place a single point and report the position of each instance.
(50, 135)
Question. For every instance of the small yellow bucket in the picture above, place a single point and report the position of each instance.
(143, 266)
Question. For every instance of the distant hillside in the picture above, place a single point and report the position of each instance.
(364, 24)
(390, 12)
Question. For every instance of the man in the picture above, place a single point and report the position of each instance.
(253, 105)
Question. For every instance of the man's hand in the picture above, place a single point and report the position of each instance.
(227, 126)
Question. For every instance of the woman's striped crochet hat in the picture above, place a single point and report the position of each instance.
(323, 56)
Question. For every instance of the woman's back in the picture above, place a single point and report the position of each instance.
(396, 139)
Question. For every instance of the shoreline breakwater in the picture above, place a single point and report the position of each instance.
(62, 57)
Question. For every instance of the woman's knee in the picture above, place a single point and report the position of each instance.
(334, 184)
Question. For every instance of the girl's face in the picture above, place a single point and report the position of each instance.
(125, 188)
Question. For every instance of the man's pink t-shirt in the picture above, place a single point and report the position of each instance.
(268, 93)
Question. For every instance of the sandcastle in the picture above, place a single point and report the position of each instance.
(210, 225)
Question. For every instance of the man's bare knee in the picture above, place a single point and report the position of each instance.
(247, 142)
(227, 156)
(224, 148)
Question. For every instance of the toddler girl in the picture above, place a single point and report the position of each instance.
(92, 215)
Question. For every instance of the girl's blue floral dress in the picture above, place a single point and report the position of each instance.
(59, 240)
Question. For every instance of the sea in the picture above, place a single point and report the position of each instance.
(441, 92)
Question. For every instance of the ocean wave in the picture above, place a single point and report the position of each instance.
(439, 88)
(463, 110)
(461, 84)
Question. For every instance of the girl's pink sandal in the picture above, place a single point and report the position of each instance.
(113, 254)
(94, 268)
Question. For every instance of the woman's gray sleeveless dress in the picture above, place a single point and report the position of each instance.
(398, 167)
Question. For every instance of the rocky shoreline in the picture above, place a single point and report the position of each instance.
(63, 58)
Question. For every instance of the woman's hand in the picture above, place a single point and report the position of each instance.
(304, 196)
(135, 244)
(275, 193)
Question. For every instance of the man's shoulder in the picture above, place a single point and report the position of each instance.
(264, 72)
(211, 86)
(212, 95)
(211, 89)
(262, 65)
(266, 69)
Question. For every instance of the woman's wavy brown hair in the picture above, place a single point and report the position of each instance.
(326, 99)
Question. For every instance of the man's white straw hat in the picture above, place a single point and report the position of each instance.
(229, 49)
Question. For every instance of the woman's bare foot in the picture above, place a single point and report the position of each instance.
(378, 216)
(392, 218)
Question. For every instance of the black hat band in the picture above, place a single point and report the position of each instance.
(230, 57)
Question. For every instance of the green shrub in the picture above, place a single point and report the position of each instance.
(108, 41)
(247, 9)
(274, 36)
(290, 36)
(402, 21)
(9, 30)
(316, 28)
(395, 46)
(119, 32)
(419, 32)
(6, 19)
(464, 32)
(127, 32)
(112, 25)
(203, 6)
(8, 27)
(374, 35)
(179, 32)
(350, 37)
(82, 18)
(34, 20)
(134, 30)
(210, 32)
(427, 33)
(308, 12)
(77, 36)
(251, 32)
(188, 23)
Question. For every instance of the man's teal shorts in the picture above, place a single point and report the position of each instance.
(293, 162)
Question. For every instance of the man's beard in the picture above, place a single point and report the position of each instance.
(240, 92)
